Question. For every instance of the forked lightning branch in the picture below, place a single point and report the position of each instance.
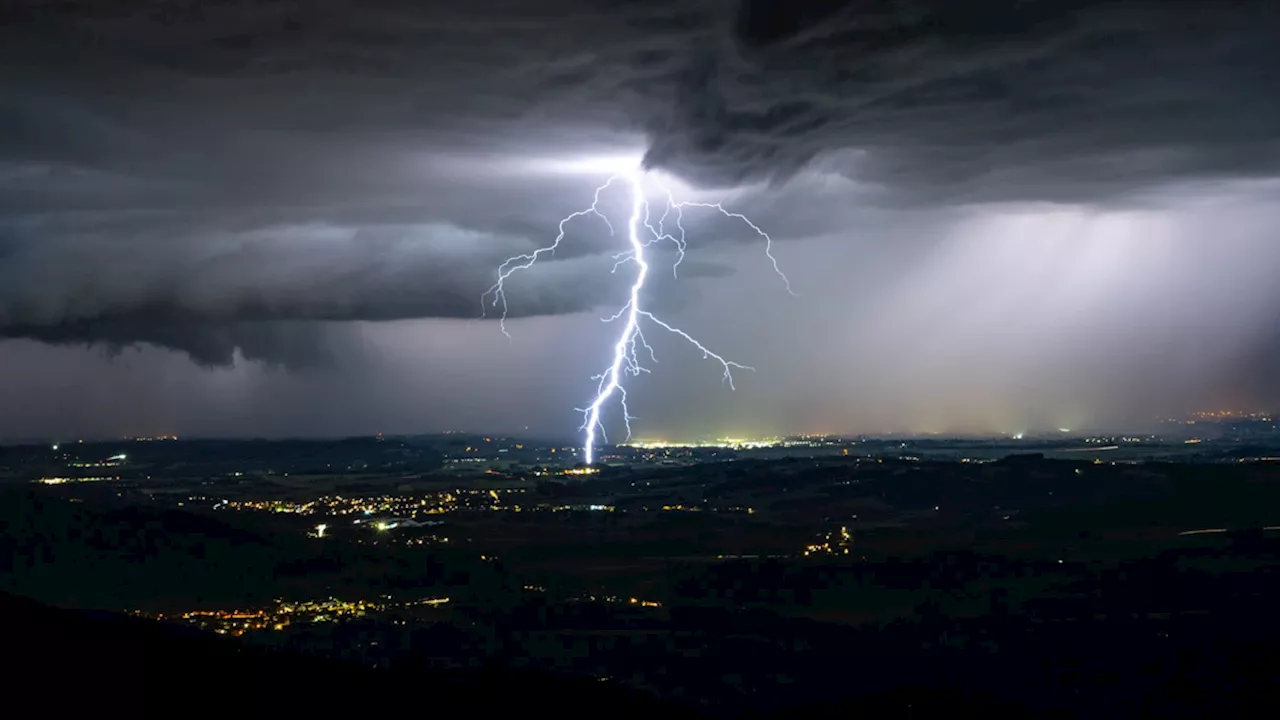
(644, 228)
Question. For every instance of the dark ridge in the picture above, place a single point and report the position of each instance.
(96, 656)
(123, 666)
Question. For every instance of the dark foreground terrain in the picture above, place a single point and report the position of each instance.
(787, 588)
(94, 662)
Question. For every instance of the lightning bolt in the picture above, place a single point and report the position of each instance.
(642, 232)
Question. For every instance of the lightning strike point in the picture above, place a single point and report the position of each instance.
(642, 232)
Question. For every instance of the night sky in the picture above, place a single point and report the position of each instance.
(278, 218)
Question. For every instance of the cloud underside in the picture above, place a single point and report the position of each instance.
(235, 176)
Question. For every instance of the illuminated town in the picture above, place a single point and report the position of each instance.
(832, 543)
(408, 505)
(283, 614)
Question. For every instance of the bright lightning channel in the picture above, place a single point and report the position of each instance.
(641, 233)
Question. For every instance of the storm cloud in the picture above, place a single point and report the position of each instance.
(991, 100)
(252, 179)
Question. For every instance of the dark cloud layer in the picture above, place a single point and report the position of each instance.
(214, 177)
(990, 99)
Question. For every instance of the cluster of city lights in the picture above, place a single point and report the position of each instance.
(430, 503)
(832, 543)
(62, 480)
(283, 614)
(722, 443)
(569, 471)
(610, 599)
(1231, 415)
(582, 471)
